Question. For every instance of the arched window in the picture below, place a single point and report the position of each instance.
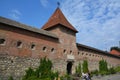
(2, 41)
(33, 47)
(19, 44)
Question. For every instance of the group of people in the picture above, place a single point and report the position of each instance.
(86, 76)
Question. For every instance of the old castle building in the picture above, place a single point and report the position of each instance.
(22, 46)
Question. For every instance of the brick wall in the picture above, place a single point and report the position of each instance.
(16, 58)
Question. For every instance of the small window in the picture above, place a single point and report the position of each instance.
(89, 54)
(11, 61)
(19, 44)
(78, 53)
(33, 46)
(64, 51)
(70, 52)
(52, 50)
(2, 41)
(44, 49)
(82, 53)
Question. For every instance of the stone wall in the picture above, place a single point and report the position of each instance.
(22, 49)
(15, 66)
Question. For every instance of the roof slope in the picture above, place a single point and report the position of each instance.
(58, 18)
(26, 27)
(97, 50)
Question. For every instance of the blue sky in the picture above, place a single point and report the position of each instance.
(98, 21)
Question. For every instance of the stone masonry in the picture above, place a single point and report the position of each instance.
(23, 46)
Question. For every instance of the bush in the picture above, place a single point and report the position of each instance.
(112, 70)
(117, 69)
(10, 78)
(43, 72)
(85, 66)
(103, 67)
(78, 70)
(66, 77)
(95, 72)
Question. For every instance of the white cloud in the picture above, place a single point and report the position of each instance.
(15, 14)
(44, 3)
(98, 21)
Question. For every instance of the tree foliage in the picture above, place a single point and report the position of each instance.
(43, 72)
(115, 48)
(85, 66)
(10, 78)
(103, 67)
(78, 70)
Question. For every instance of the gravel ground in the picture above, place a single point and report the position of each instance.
(108, 77)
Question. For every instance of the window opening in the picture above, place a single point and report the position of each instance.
(19, 44)
(64, 51)
(44, 49)
(33, 46)
(52, 50)
(70, 52)
(2, 41)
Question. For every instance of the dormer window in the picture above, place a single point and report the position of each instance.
(2, 41)
(19, 44)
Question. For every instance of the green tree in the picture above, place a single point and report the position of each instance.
(43, 72)
(115, 48)
(10, 78)
(78, 70)
(29, 72)
(85, 66)
(103, 67)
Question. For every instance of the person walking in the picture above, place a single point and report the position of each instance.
(88, 77)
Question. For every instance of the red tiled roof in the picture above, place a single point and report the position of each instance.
(115, 52)
(58, 18)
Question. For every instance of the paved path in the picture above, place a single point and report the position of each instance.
(108, 77)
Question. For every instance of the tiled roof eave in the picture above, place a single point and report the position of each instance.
(53, 25)
(91, 48)
(26, 27)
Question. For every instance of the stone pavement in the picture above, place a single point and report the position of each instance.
(108, 77)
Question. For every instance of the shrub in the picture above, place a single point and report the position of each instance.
(43, 72)
(117, 69)
(95, 72)
(85, 66)
(103, 67)
(112, 70)
(10, 78)
(78, 70)
(66, 77)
